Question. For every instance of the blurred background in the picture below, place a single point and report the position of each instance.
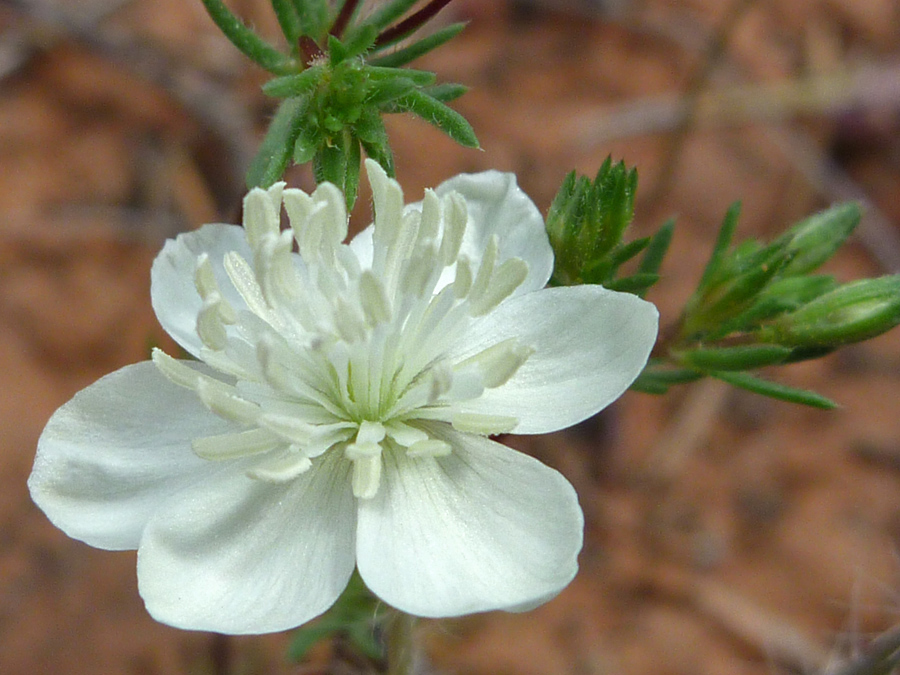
(726, 533)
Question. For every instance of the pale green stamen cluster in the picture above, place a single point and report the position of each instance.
(334, 352)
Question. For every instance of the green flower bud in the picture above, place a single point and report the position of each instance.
(851, 313)
(814, 240)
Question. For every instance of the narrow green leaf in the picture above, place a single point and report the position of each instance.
(390, 12)
(448, 91)
(272, 159)
(744, 357)
(294, 85)
(646, 383)
(313, 16)
(385, 91)
(635, 284)
(419, 48)
(251, 44)
(657, 248)
(726, 233)
(774, 390)
(669, 375)
(421, 78)
(436, 113)
(286, 13)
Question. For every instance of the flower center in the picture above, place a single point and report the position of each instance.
(337, 352)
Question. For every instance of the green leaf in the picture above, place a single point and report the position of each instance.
(815, 239)
(419, 48)
(656, 379)
(390, 12)
(272, 159)
(359, 40)
(329, 165)
(314, 17)
(774, 390)
(351, 169)
(449, 91)
(723, 241)
(286, 13)
(657, 248)
(635, 284)
(436, 113)
(294, 85)
(744, 357)
(385, 91)
(252, 46)
(421, 78)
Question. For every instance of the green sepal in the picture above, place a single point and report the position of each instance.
(270, 162)
(419, 48)
(437, 114)
(743, 357)
(248, 42)
(329, 165)
(774, 390)
(374, 140)
(359, 40)
(294, 85)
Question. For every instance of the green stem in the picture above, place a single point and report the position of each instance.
(400, 644)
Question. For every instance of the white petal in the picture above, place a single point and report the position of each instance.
(172, 291)
(498, 206)
(590, 344)
(482, 528)
(238, 555)
(109, 458)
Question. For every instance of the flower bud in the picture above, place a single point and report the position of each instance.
(851, 313)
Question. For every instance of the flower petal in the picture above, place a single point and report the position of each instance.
(172, 291)
(497, 206)
(590, 344)
(483, 528)
(111, 456)
(243, 556)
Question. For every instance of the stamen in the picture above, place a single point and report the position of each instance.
(507, 278)
(455, 219)
(431, 217)
(462, 283)
(429, 448)
(208, 287)
(177, 372)
(497, 364)
(282, 467)
(485, 425)
(218, 397)
(235, 445)
(485, 270)
(374, 302)
(387, 198)
(244, 281)
(366, 477)
(211, 323)
(404, 434)
(261, 213)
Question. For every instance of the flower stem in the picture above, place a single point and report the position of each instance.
(400, 644)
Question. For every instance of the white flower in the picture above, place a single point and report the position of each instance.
(339, 414)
